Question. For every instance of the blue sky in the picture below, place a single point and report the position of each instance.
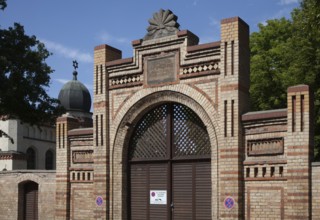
(72, 28)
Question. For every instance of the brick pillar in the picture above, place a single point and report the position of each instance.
(102, 54)
(63, 125)
(299, 145)
(233, 102)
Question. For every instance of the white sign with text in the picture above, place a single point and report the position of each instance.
(158, 197)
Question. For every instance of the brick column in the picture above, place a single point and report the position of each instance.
(233, 102)
(299, 145)
(102, 54)
(63, 125)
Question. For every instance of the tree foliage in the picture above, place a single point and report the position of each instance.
(24, 77)
(286, 52)
(3, 4)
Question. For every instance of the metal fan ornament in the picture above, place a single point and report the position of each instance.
(163, 23)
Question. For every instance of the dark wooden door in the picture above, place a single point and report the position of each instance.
(31, 201)
(169, 153)
(146, 177)
(191, 191)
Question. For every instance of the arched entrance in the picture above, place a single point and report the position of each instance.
(28, 200)
(169, 167)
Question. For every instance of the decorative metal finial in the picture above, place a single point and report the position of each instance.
(75, 66)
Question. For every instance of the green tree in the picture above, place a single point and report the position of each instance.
(286, 52)
(268, 64)
(24, 77)
(3, 4)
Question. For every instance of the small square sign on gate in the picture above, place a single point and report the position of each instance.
(158, 197)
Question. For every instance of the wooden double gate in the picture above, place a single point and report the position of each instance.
(169, 166)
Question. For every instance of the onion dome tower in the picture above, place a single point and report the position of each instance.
(75, 98)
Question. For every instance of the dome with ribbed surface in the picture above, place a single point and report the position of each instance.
(74, 96)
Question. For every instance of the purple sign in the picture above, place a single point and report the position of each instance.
(99, 201)
(229, 202)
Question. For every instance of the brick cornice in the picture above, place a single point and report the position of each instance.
(81, 169)
(66, 119)
(251, 116)
(206, 46)
(12, 156)
(136, 42)
(299, 88)
(105, 46)
(265, 179)
(233, 19)
(76, 132)
(188, 34)
(262, 162)
(119, 62)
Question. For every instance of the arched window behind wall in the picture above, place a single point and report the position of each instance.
(49, 160)
(31, 159)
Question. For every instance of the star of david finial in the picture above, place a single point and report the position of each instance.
(75, 65)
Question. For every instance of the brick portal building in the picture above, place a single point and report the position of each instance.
(173, 138)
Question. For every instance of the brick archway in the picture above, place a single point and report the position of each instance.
(131, 113)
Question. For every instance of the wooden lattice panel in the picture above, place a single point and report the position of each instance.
(150, 135)
(187, 135)
(190, 134)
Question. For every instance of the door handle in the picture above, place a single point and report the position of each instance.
(172, 206)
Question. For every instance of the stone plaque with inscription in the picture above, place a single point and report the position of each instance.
(268, 146)
(161, 69)
(85, 156)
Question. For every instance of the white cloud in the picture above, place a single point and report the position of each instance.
(62, 81)
(67, 52)
(106, 37)
(288, 2)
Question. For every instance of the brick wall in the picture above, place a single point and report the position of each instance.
(102, 54)
(63, 125)
(299, 145)
(81, 173)
(315, 190)
(9, 185)
(233, 101)
(257, 158)
(277, 166)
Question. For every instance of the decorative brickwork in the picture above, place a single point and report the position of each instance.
(265, 146)
(250, 165)
(203, 69)
(12, 156)
(126, 81)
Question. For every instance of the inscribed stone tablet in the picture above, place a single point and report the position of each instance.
(161, 69)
